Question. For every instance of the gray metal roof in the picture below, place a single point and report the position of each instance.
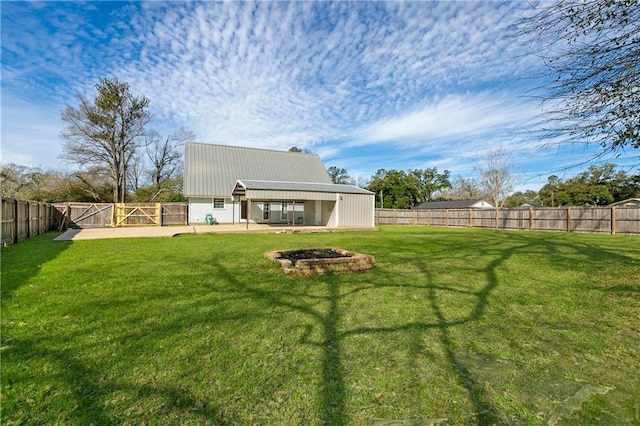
(302, 186)
(213, 170)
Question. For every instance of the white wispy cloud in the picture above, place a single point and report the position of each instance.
(283, 73)
(464, 116)
(366, 85)
(38, 141)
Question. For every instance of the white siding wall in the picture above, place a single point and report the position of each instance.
(199, 208)
(355, 210)
(348, 210)
(329, 215)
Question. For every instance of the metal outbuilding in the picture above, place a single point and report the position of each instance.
(238, 184)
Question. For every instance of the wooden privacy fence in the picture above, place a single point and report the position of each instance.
(613, 220)
(103, 215)
(24, 219)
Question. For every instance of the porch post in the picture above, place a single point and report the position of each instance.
(248, 211)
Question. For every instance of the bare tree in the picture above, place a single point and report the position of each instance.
(592, 51)
(464, 188)
(165, 155)
(137, 172)
(496, 178)
(104, 133)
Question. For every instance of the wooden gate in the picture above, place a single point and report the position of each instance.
(103, 215)
(85, 215)
(175, 214)
(138, 214)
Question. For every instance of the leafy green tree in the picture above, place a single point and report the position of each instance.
(591, 49)
(402, 190)
(12, 180)
(301, 150)
(520, 198)
(52, 186)
(92, 184)
(598, 185)
(551, 191)
(105, 132)
(390, 188)
(429, 183)
(169, 191)
(339, 175)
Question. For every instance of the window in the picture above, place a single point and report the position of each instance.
(218, 203)
(265, 211)
(285, 211)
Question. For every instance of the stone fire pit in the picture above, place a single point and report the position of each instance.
(320, 260)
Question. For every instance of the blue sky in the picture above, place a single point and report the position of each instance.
(366, 85)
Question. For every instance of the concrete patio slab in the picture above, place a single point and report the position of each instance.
(171, 231)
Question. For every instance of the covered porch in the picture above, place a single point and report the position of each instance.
(283, 207)
(304, 204)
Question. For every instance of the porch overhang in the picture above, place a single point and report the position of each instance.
(292, 191)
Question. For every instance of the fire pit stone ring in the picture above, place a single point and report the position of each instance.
(320, 260)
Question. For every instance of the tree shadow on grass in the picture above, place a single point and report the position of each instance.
(24, 260)
(327, 317)
(57, 375)
(324, 330)
(89, 392)
(333, 392)
(484, 410)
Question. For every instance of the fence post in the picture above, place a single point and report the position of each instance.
(530, 218)
(395, 216)
(569, 219)
(28, 219)
(497, 217)
(16, 221)
(470, 218)
(67, 217)
(446, 215)
(414, 216)
(614, 225)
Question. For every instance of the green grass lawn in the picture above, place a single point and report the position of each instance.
(453, 326)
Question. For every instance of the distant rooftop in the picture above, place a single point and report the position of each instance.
(455, 204)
